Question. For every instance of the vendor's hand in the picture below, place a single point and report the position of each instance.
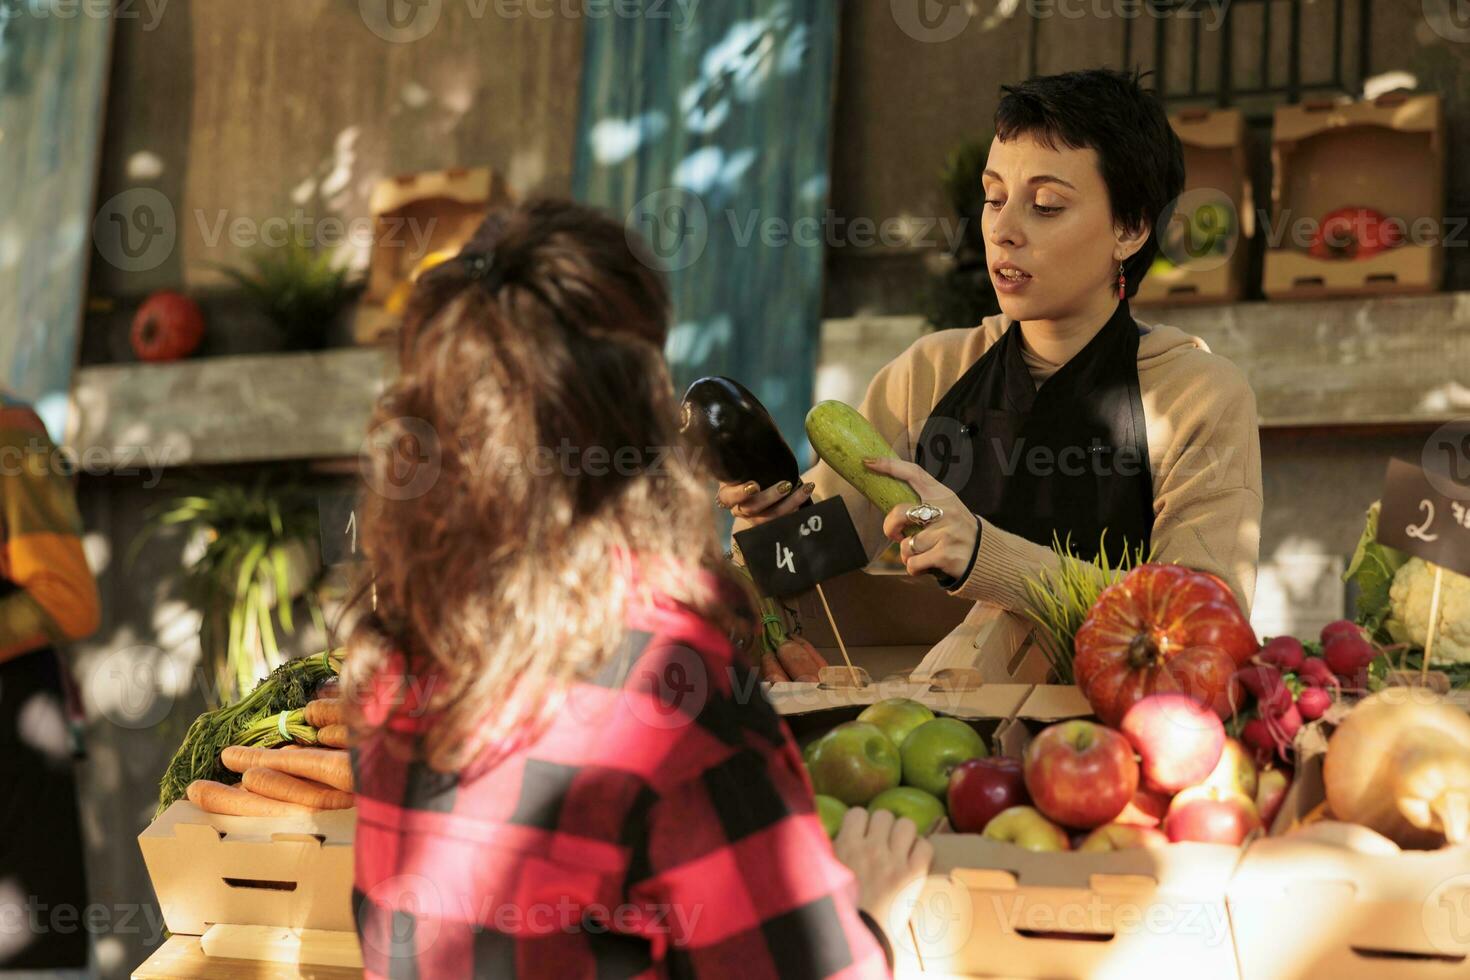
(886, 855)
(948, 543)
(749, 502)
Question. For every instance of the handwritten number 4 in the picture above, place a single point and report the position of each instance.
(785, 558)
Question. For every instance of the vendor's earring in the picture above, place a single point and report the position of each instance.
(1122, 282)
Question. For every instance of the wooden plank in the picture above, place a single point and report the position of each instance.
(226, 409)
(183, 958)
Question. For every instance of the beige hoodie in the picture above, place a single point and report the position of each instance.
(1204, 454)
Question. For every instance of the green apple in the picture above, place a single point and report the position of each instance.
(1210, 228)
(1025, 827)
(830, 811)
(897, 717)
(924, 809)
(932, 751)
(1235, 772)
(854, 762)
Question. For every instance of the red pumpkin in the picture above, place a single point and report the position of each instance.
(167, 327)
(1162, 628)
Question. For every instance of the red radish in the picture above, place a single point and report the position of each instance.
(1313, 703)
(1285, 726)
(1265, 682)
(1257, 734)
(1316, 673)
(1347, 655)
(1343, 627)
(1284, 652)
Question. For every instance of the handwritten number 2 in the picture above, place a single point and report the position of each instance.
(1420, 531)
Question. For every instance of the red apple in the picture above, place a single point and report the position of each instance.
(1178, 740)
(1121, 837)
(1211, 817)
(1354, 233)
(1081, 774)
(1146, 809)
(1271, 789)
(1026, 827)
(981, 788)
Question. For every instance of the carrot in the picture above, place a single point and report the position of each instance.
(800, 659)
(215, 797)
(333, 736)
(771, 669)
(330, 766)
(289, 789)
(323, 712)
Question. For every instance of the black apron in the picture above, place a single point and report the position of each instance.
(1069, 458)
(41, 852)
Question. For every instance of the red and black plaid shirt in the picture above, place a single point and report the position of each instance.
(662, 826)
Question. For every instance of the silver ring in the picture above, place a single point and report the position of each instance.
(923, 514)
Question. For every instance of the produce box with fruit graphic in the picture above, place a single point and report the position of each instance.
(1338, 227)
(1204, 233)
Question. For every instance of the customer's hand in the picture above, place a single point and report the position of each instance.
(749, 502)
(949, 542)
(886, 855)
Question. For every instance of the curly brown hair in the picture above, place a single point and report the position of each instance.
(500, 572)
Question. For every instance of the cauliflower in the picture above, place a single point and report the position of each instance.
(1410, 596)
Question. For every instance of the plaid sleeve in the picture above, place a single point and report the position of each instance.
(40, 542)
(740, 864)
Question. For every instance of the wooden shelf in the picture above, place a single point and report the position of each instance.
(212, 411)
(1390, 361)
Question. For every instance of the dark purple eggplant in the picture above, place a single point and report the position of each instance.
(739, 434)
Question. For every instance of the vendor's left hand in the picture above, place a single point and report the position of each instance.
(948, 543)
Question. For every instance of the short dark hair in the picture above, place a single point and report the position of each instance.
(1138, 151)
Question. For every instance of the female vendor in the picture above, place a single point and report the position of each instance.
(1062, 415)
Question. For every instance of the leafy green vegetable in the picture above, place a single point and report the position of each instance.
(288, 688)
(1060, 602)
(1372, 570)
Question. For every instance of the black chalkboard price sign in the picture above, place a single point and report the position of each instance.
(337, 522)
(1426, 513)
(792, 554)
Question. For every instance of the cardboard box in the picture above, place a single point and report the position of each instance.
(415, 216)
(1304, 909)
(1217, 170)
(991, 909)
(1330, 155)
(289, 872)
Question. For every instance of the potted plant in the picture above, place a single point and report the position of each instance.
(251, 555)
(303, 290)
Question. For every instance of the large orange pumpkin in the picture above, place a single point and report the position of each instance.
(1162, 628)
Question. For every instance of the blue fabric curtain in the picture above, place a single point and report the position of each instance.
(707, 125)
(52, 74)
